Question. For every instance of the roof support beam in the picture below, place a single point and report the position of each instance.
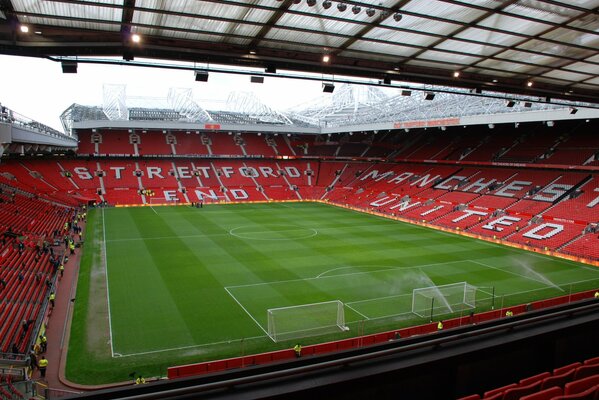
(377, 23)
(7, 8)
(515, 47)
(461, 29)
(272, 21)
(127, 18)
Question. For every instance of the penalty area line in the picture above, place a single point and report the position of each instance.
(246, 311)
(356, 311)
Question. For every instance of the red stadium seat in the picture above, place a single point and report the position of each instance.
(520, 391)
(566, 368)
(585, 371)
(546, 394)
(558, 379)
(493, 392)
(471, 397)
(534, 379)
(581, 385)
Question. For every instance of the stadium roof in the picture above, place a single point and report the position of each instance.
(497, 45)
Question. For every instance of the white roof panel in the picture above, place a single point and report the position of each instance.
(423, 25)
(383, 57)
(78, 11)
(400, 37)
(513, 24)
(317, 24)
(311, 38)
(486, 36)
(382, 48)
(542, 11)
(475, 49)
(448, 57)
(569, 76)
(449, 11)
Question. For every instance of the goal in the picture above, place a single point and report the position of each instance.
(288, 323)
(443, 299)
(213, 199)
(164, 201)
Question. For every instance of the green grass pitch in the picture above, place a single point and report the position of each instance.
(161, 286)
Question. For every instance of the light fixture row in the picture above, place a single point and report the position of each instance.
(356, 9)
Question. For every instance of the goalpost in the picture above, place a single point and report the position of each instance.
(294, 322)
(443, 299)
(164, 201)
(219, 199)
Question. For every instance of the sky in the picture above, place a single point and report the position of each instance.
(37, 88)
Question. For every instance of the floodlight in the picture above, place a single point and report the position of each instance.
(527, 104)
(550, 124)
(573, 110)
(326, 58)
(326, 4)
(311, 3)
(201, 75)
(456, 74)
(406, 92)
(356, 9)
(256, 79)
(69, 67)
(429, 96)
(135, 38)
(510, 103)
(529, 83)
(491, 126)
(328, 87)
(397, 17)
(24, 28)
(370, 12)
(341, 7)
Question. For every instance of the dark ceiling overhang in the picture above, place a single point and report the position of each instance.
(291, 53)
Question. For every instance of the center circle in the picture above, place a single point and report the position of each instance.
(273, 232)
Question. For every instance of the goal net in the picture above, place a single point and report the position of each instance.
(164, 201)
(287, 323)
(443, 299)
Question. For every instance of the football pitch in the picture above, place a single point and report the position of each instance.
(162, 286)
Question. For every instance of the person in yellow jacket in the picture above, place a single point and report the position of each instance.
(42, 364)
(509, 313)
(43, 343)
(52, 298)
(140, 380)
(298, 350)
(440, 326)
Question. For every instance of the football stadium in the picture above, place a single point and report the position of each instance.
(422, 225)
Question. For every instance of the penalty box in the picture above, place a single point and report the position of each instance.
(366, 293)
